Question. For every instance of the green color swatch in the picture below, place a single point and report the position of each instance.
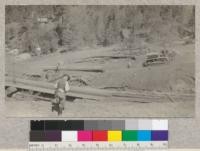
(129, 135)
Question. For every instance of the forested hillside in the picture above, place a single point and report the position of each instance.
(71, 27)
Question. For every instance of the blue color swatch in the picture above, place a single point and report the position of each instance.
(144, 135)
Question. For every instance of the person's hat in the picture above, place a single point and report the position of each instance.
(66, 75)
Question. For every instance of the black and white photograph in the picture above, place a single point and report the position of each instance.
(100, 61)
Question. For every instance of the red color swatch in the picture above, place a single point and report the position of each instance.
(100, 135)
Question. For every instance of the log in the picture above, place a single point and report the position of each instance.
(114, 57)
(47, 87)
(40, 84)
(51, 91)
(84, 69)
(106, 57)
(56, 78)
(93, 93)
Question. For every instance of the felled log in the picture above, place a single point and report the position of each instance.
(55, 78)
(46, 87)
(77, 68)
(114, 57)
(106, 58)
(93, 93)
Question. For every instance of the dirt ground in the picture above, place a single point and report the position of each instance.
(126, 74)
(86, 108)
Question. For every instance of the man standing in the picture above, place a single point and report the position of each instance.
(62, 87)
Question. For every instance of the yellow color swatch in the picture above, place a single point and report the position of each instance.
(114, 136)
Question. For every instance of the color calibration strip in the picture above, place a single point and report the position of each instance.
(104, 130)
(101, 131)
